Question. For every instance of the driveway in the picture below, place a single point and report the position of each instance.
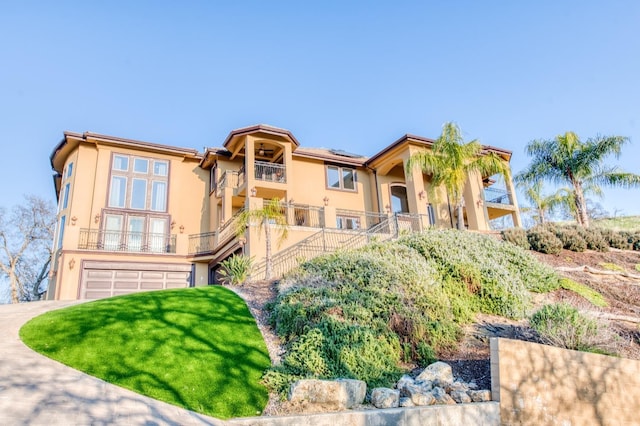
(35, 390)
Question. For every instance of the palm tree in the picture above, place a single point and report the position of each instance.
(450, 161)
(567, 160)
(271, 213)
(542, 204)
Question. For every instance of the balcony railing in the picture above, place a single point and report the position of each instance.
(95, 239)
(304, 215)
(497, 196)
(208, 242)
(270, 172)
(361, 219)
(228, 179)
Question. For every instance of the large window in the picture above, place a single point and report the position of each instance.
(347, 222)
(138, 183)
(399, 201)
(131, 231)
(341, 178)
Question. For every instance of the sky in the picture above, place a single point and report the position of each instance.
(353, 75)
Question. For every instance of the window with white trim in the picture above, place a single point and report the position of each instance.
(343, 178)
(138, 183)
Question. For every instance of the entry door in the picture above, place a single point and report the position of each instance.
(112, 232)
(158, 235)
(135, 230)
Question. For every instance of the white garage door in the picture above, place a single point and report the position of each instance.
(106, 279)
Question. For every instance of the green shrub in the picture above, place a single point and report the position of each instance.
(544, 241)
(633, 238)
(517, 236)
(235, 269)
(571, 239)
(615, 239)
(563, 326)
(593, 237)
(360, 313)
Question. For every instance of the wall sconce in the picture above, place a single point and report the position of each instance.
(326, 200)
(421, 195)
(181, 229)
(173, 224)
(479, 203)
(242, 241)
(72, 263)
(254, 191)
(73, 221)
(96, 219)
(261, 150)
(387, 208)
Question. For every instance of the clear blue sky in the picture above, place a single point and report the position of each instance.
(343, 74)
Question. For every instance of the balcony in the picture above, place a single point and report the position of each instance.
(497, 196)
(270, 172)
(208, 242)
(133, 242)
(229, 179)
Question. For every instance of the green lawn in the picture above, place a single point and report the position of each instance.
(196, 348)
(622, 223)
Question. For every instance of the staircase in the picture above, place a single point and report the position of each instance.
(330, 240)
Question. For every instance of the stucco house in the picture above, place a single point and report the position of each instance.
(136, 216)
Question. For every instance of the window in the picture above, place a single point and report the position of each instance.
(69, 170)
(117, 193)
(160, 168)
(212, 179)
(341, 178)
(65, 196)
(120, 162)
(432, 214)
(159, 196)
(135, 232)
(347, 222)
(142, 187)
(141, 165)
(63, 221)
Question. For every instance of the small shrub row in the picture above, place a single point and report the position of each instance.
(551, 238)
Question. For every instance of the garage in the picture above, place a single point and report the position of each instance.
(106, 279)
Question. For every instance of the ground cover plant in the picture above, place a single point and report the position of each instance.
(196, 348)
(363, 313)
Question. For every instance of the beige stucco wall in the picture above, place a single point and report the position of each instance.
(543, 385)
(88, 196)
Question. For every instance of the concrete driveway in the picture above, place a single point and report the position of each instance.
(35, 390)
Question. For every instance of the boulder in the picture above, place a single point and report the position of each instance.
(439, 373)
(457, 386)
(406, 402)
(385, 398)
(421, 399)
(404, 381)
(328, 394)
(441, 396)
(480, 395)
(460, 396)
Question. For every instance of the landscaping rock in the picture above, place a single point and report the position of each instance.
(328, 394)
(406, 402)
(385, 398)
(460, 396)
(457, 386)
(441, 396)
(421, 399)
(439, 373)
(480, 395)
(404, 380)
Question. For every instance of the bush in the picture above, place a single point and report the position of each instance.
(564, 326)
(235, 269)
(543, 241)
(360, 313)
(593, 237)
(517, 236)
(570, 239)
(633, 238)
(615, 239)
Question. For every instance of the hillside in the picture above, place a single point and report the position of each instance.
(478, 287)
